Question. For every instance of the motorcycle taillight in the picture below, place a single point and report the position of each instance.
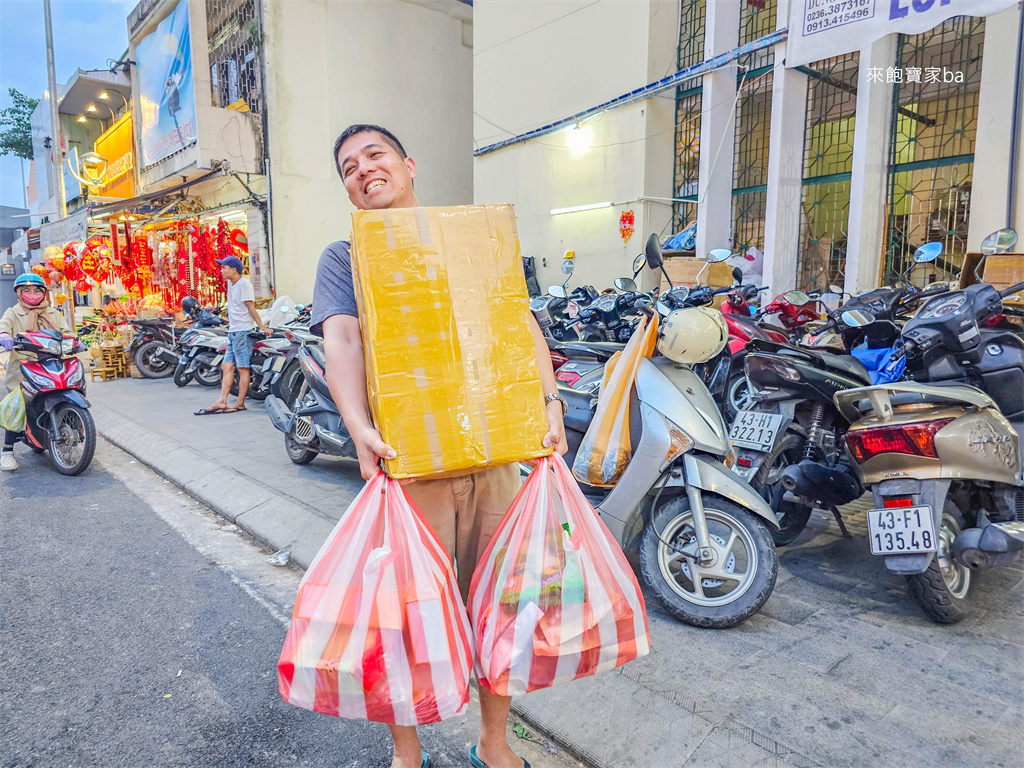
(917, 439)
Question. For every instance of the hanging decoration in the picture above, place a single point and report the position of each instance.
(627, 220)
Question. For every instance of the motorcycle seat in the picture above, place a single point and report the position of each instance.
(850, 365)
(602, 350)
(317, 351)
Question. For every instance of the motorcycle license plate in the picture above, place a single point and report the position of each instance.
(216, 361)
(756, 430)
(901, 530)
(278, 364)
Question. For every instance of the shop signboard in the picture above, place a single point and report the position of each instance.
(115, 146)
(60, 233)
(820, 29)
(166, 91)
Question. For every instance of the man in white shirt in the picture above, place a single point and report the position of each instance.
(242, 320)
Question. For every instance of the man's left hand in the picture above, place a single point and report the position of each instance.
(556, 429)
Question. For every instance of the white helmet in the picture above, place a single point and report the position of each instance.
(693, 335)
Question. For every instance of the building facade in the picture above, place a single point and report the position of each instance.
(829, 173)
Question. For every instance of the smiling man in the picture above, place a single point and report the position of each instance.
(465, 509)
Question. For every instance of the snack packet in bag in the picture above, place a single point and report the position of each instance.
(379, 631)
(553, 598)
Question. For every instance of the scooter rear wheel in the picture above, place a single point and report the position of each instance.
(297, 452)
(208, 377)
(793, 515)
(72, 449)
(149, 364)
(944, 590)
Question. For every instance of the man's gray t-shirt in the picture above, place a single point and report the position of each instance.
(333, 292)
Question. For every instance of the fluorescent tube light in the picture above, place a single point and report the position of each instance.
(575, 208)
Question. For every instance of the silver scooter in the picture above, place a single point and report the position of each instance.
(702, 533)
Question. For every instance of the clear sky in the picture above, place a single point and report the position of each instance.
(85, 34)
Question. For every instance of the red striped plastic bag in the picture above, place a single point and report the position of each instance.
(553, 598)
(379, 631)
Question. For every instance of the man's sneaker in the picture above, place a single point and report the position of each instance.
(7, 462)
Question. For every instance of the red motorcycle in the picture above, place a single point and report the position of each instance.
(792, 310)
(742, 328)
(57, 417)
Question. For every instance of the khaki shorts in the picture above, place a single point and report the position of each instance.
(465, 512)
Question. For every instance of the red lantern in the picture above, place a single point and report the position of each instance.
(83, 286)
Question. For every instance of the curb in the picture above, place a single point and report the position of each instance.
(274, 519)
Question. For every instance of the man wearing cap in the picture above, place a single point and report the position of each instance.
(242, 320)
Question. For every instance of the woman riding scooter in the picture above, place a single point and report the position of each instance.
(32, 313)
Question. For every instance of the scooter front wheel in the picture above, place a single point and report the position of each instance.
(72, 448)
(181, 377)
(208, 376)
(728, 590)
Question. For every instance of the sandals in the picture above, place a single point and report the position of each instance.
(212, 411)
(476, 762)
(426, 759)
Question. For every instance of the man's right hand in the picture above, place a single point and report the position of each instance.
(371, 448)
(6, 342)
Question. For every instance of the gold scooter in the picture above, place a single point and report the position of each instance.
(941, 452)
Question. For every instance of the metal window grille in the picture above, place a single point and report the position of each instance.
(235, 43)
(931, 157)
(753, 122)
(688, 104)
(828, 162)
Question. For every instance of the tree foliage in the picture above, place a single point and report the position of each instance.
(16, 127)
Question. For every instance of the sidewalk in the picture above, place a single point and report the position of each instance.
(838, 669)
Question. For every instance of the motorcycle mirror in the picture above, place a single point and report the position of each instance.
(558, 291)
(652, 252)
(832, 288)
(928, 252)
(737, 274)
(857, 318)
(717, 255)
(796, 297)
(299, 307)
(624, 284)
(999, 242)
(638, 264)
(567, 267)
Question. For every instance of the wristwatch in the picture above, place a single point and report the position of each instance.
(559, 398)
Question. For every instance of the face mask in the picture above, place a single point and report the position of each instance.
(32, 299)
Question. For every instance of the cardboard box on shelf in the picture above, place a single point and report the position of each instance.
(450, 362)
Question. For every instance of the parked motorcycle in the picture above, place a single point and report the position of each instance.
(311, 423)
(941, 452)
(790, 438)
(152, 337)
(57, 417)
(702, 533)
(202, 353)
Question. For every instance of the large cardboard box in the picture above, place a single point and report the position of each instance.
(450, 362)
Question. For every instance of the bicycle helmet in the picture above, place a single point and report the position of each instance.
(29, 279)
(189, 305)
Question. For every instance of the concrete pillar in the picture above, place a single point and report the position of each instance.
(717, 131)
(785, 170)
(989, 192)
(868, 189)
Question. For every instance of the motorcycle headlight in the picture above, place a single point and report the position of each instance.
(77, 376)
(52, 346)
(67, 346)
(40, 382)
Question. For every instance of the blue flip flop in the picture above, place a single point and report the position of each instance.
(426, 760)
(476, 762)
